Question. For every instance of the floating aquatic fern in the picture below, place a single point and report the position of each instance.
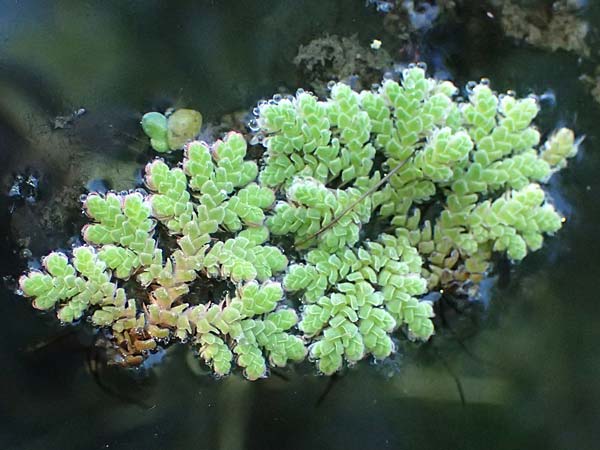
(329, 167)
(172, 132)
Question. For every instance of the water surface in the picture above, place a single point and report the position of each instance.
(519, 370)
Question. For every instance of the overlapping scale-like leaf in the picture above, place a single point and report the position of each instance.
(124, 228)
(376, 197)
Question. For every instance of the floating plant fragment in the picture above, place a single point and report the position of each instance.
(172, 132)
(374, 200)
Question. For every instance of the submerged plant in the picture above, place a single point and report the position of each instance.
(380, 196)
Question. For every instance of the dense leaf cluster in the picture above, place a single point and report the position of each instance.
(329, 167)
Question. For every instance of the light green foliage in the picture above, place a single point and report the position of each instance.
(476, 161)
(323, 140)
(74, 288)
(248, 207)
(250, 322)
(171, 203)
(222, 164)
(357, 297)
(123, 228)
(231, 170)
(172, 132)
(156, 127)
(220, 194)
(242, 260)
(222, 182)
(215, 173)
(515, 222)
(311, 206)
(377, 198)
(559, 147)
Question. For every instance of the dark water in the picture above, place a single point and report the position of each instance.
(520, 370)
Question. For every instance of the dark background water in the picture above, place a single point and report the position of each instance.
(519, 369)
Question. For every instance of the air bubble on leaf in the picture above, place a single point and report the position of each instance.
(548, 97)
(312, 358)
(331, 84)
(534, 97)
(32, 181)
(97, 185)
(412, 66)
(253, 125)
(74, 241)
(353, 81)
(277, 98)
(217, 376)
(485, 81)
(422, 65)
(432, 296)
(257, 139)
(470, 87)
(511, 93)
(34, 264)
(15, 190)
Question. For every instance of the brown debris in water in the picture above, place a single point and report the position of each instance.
(553, 27)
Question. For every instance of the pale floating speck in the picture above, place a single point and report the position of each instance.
(376, 44)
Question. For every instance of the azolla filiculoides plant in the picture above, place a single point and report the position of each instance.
(287, 234)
